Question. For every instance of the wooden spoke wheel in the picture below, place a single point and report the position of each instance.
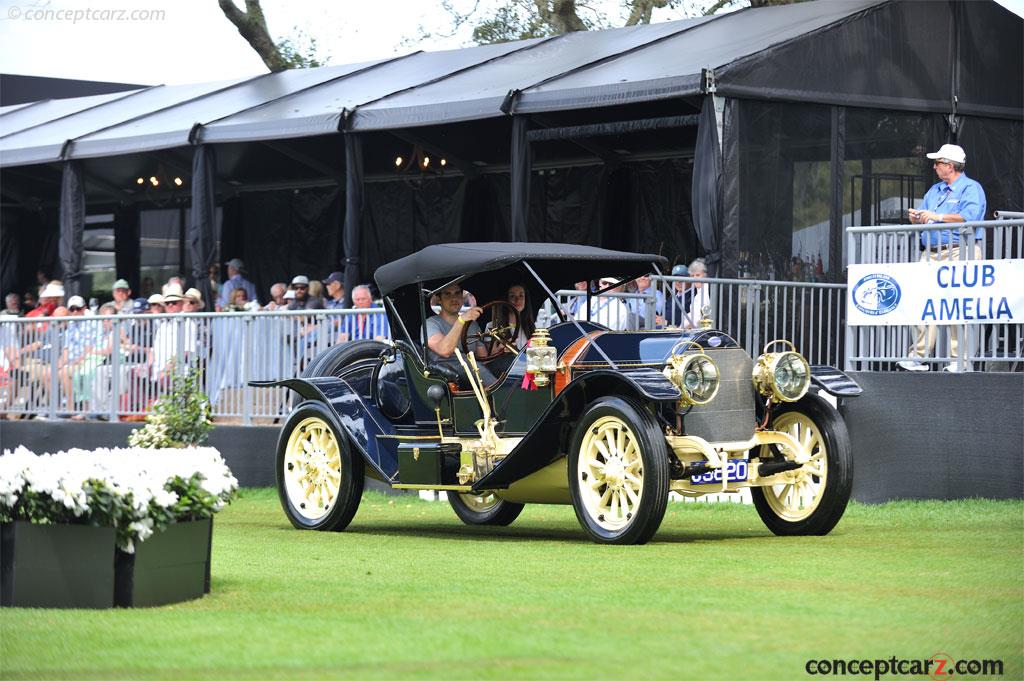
(619, 473)
(811, 499)
(483, 509)
(319, 478)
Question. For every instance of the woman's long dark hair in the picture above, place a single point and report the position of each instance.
(527, 318)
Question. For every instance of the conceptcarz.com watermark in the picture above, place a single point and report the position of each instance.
(46, 11)
(939, 667)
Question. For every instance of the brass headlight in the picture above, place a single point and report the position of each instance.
(783, 376)
(695, 375)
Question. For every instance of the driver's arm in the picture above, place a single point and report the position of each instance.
(445, 344)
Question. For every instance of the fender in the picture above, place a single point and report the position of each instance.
(834, 381)
(361, 422)
(548, 439)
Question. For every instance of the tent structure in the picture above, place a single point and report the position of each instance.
(750, 138)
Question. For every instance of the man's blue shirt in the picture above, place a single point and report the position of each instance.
(964, 197)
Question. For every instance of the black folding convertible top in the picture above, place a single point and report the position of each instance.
(559, 265)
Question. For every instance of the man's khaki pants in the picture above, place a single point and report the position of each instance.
(924, 336)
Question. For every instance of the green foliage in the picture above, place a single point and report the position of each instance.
(300, 52)
(181, 418)
(410, 592)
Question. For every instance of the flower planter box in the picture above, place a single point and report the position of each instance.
(56, 566)
(171, 566)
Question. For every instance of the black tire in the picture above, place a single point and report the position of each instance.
(339, 359)
(315, 420)
(475, 509)
(838, 479)
(648, 466)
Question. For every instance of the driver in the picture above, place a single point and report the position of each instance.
(444, 333)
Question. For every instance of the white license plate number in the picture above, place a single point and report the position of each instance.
(735, 470)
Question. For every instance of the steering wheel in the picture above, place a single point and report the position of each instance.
(501, 336)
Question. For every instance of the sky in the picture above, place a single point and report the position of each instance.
(154, 42)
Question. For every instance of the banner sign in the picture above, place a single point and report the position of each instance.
(936, 292)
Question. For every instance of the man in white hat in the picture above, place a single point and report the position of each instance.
(50, 298)
(611, 312)
(172, 336)
(954, 198)
(122, 293)
(303, 301)
(235, 280)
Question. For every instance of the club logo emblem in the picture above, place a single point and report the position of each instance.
(876, 294)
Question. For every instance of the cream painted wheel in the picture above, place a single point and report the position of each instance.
(483, 509)
(312, 468)
(319, 480)
(618, 472)
(810, 499)
(800, 491)
(610, 473)
(480, 503)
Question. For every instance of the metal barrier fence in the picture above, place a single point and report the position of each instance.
(116, 366)
(752, 311)
(992, 347)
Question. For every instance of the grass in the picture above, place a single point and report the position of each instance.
(409, 592)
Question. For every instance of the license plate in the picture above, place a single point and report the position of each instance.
(735, 470)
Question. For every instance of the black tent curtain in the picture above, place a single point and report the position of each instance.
(8, 251)
(127, 249)
(353, 211)
(706, 186)
(72, 226)
(202, 247)
(728, 243)
(522, 161)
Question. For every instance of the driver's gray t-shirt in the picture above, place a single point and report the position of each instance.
(436, 325)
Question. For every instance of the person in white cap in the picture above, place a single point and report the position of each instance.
(303, 301)
(50, 298)
(235, 280)
(122, 293)
(954, 198)
(611, 312)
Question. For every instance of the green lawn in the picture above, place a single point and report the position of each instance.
(409, 591)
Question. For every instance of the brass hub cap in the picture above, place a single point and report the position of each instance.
(799, 492)
(312, 468)
(609, 473)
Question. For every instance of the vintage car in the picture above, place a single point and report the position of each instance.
(609, 422)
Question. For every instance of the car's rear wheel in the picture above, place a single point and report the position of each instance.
(483, 509)
(812, 499)
(319, 477)
(343, 358)
(618, 473)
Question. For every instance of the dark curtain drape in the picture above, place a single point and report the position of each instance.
(837, 174)
(521, 170)
(706, 186)
(9, 247)
(281, 234)
(72, 226)
(729, 238)
(353, 212)
(127, 247)
(202, 247)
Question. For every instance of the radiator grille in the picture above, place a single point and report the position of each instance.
(730, 416)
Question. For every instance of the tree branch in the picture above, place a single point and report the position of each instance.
(252, 26)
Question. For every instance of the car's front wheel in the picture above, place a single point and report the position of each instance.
(809, 500)
(319, 477)
(483, 509)
(619, 473)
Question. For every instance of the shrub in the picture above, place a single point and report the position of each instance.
(181, 418)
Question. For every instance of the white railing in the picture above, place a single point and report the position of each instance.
(990, 347)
